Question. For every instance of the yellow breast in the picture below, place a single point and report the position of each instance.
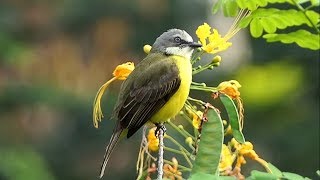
(176, 102)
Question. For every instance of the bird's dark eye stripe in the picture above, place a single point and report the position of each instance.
(183, 41)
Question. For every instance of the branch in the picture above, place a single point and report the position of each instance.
(160, 160)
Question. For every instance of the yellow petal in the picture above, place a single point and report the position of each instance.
(203, 32)
(97, 112)
(216, 43)
(226, 159)
(235, 83)
(122, 71)
(153, 141)
(230, 88)
(196, 119)
(214, 36)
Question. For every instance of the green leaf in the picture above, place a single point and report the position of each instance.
(230, 8)
(233, 117)
(255, 4)
(256, 28)
(248, 4)
(210, 145)
(313, 16)
(315, 2)
(216, 7)
(203, 176)
(262, 175)
(292, 176)
(280, 22)
(302, 38)
(302, 1)
(268, 25)
(272, 19)
(274, 170)
(245, 22)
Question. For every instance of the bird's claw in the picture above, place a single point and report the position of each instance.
(160, 127)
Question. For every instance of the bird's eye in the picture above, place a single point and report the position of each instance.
(177, 39)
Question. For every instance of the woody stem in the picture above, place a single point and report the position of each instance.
(160, 160)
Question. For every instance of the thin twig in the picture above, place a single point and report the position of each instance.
(140, 161)
(187, 158)
(160, 160)
(178, 144)
(182, 131)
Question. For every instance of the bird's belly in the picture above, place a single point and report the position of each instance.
(176, 102)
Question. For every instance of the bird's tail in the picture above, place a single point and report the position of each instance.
(113, 141)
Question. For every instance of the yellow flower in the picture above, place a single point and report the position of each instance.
(245, 149)
(226, 161)
(203, 32)
(147, 48)
(153, 141)
(121, 72)
(240, 161)
(197, 119)
(230, 88)
(211, 41)
(171, 171)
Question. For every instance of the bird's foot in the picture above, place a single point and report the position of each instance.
(160, 126)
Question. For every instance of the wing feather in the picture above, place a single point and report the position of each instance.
(148, 93)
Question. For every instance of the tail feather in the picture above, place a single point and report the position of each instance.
(113, 141)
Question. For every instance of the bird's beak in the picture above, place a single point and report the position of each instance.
(194, 45)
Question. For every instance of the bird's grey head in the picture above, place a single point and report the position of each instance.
(175, 42)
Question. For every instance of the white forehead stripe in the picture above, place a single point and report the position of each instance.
(187, 36)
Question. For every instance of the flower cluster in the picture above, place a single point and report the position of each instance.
(171, 171)
(211, 41)
(236, 153)
(230, 88)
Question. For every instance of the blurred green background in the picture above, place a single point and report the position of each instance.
(54, 55)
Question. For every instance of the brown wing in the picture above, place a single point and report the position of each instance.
(149, 92)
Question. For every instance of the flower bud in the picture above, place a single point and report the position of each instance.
(189, 141)
(216, 64)
(216, 59)
(147, 48)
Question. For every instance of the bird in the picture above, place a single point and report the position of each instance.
(156, 89)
